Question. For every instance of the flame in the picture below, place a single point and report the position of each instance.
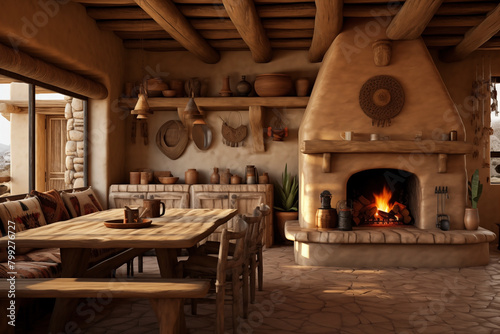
(382, 200)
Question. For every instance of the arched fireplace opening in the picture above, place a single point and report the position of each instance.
(384, 197)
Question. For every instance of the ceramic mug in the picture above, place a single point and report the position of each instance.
(374, 136)
(152, 208)
(347, 135)
(132, 215)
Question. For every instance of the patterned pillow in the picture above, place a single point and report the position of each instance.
(81, 203)
(25, 213)
(52, 205)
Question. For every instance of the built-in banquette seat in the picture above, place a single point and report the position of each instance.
(36, 209)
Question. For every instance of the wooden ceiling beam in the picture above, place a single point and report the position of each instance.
(475, 37)
(229, 44)
(455, 21)
(246, 20)
(412, 18)
(106, 2)
(166, 14)
(441, 41)
(476, 8)
(327, 25)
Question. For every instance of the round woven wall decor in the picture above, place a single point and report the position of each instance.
(381, 98)
(172, 139)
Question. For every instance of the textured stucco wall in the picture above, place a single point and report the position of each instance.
(61, 33)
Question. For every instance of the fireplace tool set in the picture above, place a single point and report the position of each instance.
(443, 220)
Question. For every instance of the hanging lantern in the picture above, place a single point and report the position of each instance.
(141, 108)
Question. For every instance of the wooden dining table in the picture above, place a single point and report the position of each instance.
(176, 229)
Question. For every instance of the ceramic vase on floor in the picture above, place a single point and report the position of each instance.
(471, 219)
(281, 217)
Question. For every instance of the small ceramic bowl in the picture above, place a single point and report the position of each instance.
(168, 179)
(169, 93)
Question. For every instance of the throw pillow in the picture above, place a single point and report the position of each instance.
(25, 214)
(81, 203)
(52, 205)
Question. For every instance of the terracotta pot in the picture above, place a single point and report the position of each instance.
(155, 87)
(273, 85)
(191, 176)
(302, 87)
(281, 217)
(225, 177)
(264, 178)
(235, 179)
(226, 90)
(135, 177)
(215, 177)
(471, 219)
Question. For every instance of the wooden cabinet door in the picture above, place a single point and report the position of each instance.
(120, 199)
(56, 156)
(171, 199)
(213, 200)
(246, 202)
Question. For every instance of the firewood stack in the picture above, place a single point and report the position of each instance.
(366, 212)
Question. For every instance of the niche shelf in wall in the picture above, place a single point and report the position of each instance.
(255, 106)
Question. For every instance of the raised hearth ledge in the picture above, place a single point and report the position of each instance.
(389, 247)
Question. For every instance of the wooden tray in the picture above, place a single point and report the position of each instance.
(118, 223)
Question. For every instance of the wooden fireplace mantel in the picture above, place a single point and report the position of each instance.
(441, 148)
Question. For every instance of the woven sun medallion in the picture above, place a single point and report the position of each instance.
(381, 98)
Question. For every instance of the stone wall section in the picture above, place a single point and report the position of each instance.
(73, 177)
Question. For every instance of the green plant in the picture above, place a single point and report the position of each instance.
(287, 193)
(475, 189)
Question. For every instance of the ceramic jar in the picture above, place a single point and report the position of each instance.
(302, 87)
(273, 85)
(215, 177)
(243, 88)
(251, 175)
(144, 177)
(226, 90)
(178, 86)
(135, 177)
(191, 176)
(471, 219)
(235, 179)
(264, 178)
(155, 87)
(225, 177)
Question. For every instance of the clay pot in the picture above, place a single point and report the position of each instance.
(144, 177)
(178, 86)
(243, 88)
(225, 177)
(155, 87)
(281, 218)
(191, 176)
(264, 178)
(135, 177)
(226, 90)
(273, 85)
(471, 219)
(235, 179)
(302, 87)
(215, 177)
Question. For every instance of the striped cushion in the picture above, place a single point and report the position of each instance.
(52, 205)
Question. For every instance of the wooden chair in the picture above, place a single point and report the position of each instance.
(254, 248)
(228, 273)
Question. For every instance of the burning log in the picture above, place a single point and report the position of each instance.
(386, 215)
(364, 200)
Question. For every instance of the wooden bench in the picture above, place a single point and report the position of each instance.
(166, 295)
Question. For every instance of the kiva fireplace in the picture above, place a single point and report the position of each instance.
(391, 181)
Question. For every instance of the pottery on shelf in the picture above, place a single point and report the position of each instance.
(155, 87)
(191, 176)
(169, 93)
(225, 91)
(178, 86)
(235, 179)
(215, 177)
(273, 85)
(302, 87)
(264, 178)
(193, 87)
(225, 177)
(243, 88)
(471, 219)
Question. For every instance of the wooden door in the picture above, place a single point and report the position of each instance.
(55, 149)
(120, 199)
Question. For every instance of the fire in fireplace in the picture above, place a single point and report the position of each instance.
(382, 197)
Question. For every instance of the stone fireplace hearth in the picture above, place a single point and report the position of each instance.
(410, 144)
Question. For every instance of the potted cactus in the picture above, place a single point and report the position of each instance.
(471, 218)
(286, 198)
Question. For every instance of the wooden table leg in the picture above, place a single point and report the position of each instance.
(74, 263)
(167, 261)
(168, 312)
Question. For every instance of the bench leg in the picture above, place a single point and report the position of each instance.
(61, 316)
(140, 264)
(169, 314)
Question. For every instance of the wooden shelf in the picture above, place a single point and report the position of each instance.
(220, 103)
(441, 148)
(423, 147)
